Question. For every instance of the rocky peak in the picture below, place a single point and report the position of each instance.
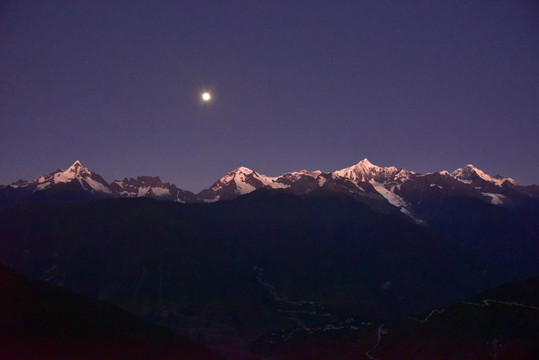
(365, 171)
(466, 172)
(470, 173)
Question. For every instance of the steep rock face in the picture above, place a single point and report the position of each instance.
(152, 187)
(301, 182)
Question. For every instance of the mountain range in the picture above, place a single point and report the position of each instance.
(385, 189)
(256, 264)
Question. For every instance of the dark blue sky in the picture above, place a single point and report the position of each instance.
(424, 85)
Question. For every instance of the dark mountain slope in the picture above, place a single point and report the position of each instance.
(243, 265)
(508, 239)
(40, 321)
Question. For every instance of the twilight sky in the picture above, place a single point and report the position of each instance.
(317, 85)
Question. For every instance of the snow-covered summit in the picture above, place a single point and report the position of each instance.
(237, 176)
(243, 175)
(74, 171)
(88, 180)
(365, 171)
(239, 182)
(470, 173)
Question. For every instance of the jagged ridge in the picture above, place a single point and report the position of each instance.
(386, 189)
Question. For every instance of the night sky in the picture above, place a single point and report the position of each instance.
(318, 85)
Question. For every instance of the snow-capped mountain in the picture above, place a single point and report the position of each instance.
(385, 189)
(364, 181)
(238, 182)
(364, 171)
(472, 175)
(80, 183)
(496, 189)
(76, 175)
(152, 187)
(413, 194)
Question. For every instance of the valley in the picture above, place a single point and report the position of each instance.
(274, 272)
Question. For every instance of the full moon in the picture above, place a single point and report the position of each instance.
(206, 96)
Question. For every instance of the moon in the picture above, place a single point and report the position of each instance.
(206, 97)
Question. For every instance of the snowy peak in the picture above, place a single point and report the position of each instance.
(237, 175)
(76, 167)
(470, 174)
(243, 169)
(376, 186)
(239, 182)
(350, 181)
(247, 180)
(467, 173)
(74, 171)
(365, 171)
(89, 181)
(366, 165)
(76, 174)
